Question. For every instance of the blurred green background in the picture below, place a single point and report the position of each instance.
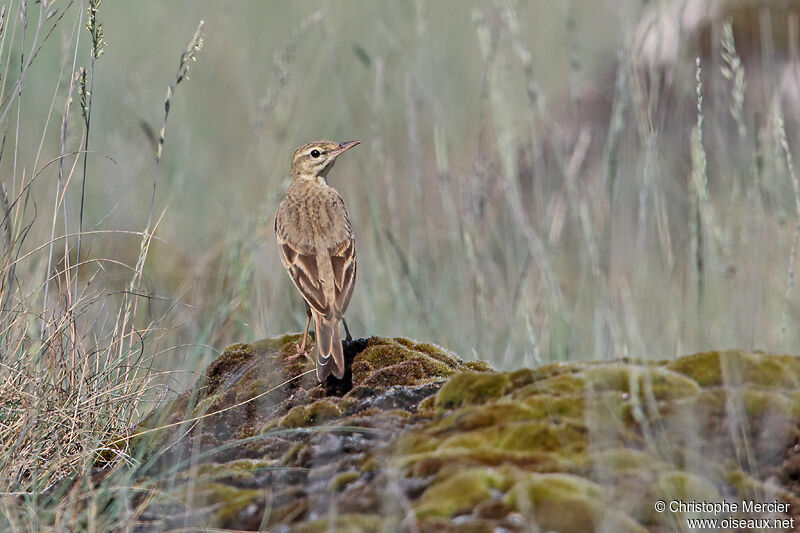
(531, 184)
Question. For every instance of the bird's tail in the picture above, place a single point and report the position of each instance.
(329, 343)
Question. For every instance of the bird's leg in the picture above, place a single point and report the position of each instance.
(301, 348)
(347, 330)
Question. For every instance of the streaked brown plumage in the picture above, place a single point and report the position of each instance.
(318, 249)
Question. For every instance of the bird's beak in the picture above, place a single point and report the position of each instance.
(343, 147)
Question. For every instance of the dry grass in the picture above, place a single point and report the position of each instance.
(75, 363)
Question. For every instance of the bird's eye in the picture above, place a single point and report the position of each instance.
(314, 153)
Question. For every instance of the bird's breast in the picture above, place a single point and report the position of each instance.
(313, 217)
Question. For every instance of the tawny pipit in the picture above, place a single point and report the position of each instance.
(318, 249)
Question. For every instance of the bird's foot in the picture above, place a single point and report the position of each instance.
(302, 351)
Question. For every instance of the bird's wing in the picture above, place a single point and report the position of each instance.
(301, 264)
(342, 253)
(324, 276)
(343, 261)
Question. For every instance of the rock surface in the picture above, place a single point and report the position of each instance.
(427, 442)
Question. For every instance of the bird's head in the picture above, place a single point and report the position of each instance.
(315, 159)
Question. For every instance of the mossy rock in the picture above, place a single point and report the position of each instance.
(461, 447)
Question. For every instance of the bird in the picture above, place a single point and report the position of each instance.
(318, 250)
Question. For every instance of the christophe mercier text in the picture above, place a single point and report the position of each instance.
(726, 507)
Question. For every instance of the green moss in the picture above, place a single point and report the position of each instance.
(284, 344)
(558, 369)
(737, 367)
(408, 343)
(761, 403)
(520, 436)
(226, 501)
(520, 378)
(557, 384)
(475, 417)
(252, 387)
(361, 370)
(391, 354)
(644, 380)
(460, 492)
(382, 355)
(231, 359)
(678, 485)
(562, 502)
(544, 406)
(414, 442)
(387, 362)
(309, 415)
(368, 463)
(345, 523)
(405, 373)
(470, 388)
(790, 362)
(427, 404)
(478, 366)
(702, 367)
(621, 460)
(567, 439)
(455, 459)
(241, 470)
(440, 354)
(342, 480)
(749, 488)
